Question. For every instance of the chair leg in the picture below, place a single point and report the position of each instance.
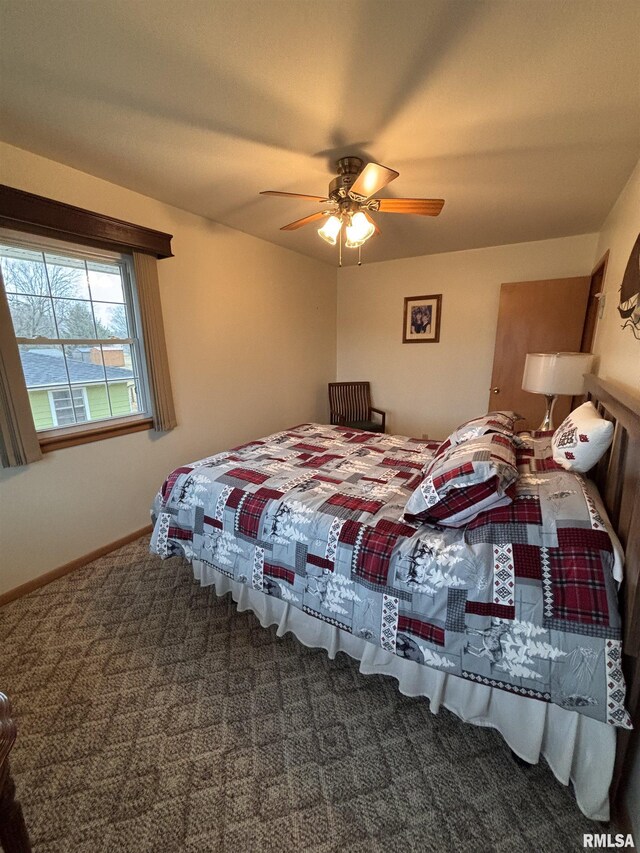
(14, 837)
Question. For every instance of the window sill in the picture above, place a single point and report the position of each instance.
(56, 439)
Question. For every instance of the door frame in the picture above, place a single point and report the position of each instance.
(594, 301)
(595, 295)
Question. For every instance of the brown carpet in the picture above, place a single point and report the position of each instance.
(155, 717)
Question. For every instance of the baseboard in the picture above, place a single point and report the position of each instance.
(54, 574)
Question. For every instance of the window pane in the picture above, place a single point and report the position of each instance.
(23, 272)
(32, 316)
(135, 398)
(119, 357)
(111, 320)
(98, 402)
(43, 366)
(79, 405)
(74, 318)
(67, 277)
(106, 284)
(124, 398)
(84, 364)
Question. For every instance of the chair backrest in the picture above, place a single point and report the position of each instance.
(350, 399)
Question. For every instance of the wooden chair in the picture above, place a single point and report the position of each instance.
(350, 406)
(14, 837)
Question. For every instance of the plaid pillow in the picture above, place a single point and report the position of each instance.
(500, 422)
(467, 479)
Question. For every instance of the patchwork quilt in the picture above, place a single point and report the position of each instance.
(521, 599)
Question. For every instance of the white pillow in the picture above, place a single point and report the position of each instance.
(581, 439)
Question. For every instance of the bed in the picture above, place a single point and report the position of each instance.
(309, 529)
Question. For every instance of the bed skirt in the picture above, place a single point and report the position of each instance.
(578, 749)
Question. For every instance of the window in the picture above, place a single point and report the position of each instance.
(76, 322)
(68, 408)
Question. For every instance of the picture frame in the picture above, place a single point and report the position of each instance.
(422, 319)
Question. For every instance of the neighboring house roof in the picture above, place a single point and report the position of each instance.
(40, 369)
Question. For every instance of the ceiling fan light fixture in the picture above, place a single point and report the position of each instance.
(330, 230)
(350, 201)
(359, 230)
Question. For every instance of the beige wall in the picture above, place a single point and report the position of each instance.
(619, 360)
(617, 348)
(430, 388)
(252, 343)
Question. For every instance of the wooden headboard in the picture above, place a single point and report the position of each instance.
(617, 476)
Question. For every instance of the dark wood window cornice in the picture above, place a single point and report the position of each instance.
(22, 211)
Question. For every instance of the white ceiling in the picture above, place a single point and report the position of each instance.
(523, 114)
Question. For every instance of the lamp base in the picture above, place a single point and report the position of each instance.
(547, 421)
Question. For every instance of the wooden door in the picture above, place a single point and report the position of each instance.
(535, 316)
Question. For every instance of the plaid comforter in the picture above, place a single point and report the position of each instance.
(522, 598)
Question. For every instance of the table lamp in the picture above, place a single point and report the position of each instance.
(554, 373)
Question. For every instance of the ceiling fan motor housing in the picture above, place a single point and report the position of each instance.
(348, 169)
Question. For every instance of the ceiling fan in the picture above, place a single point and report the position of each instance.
(350, 202)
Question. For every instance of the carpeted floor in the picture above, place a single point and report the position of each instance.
(155, 717)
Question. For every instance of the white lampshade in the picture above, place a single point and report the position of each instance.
(330, 230)
(359, 230)
(556, 372)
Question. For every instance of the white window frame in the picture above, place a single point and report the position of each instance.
(118, 423)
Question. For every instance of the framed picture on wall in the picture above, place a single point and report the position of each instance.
(422, 319)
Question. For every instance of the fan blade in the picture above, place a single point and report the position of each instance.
(370, 180)
(416, 206)
(372, 221)
(306, 219)
(295, 195)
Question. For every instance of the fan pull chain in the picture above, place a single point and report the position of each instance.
(340, 249)
(359, 256)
